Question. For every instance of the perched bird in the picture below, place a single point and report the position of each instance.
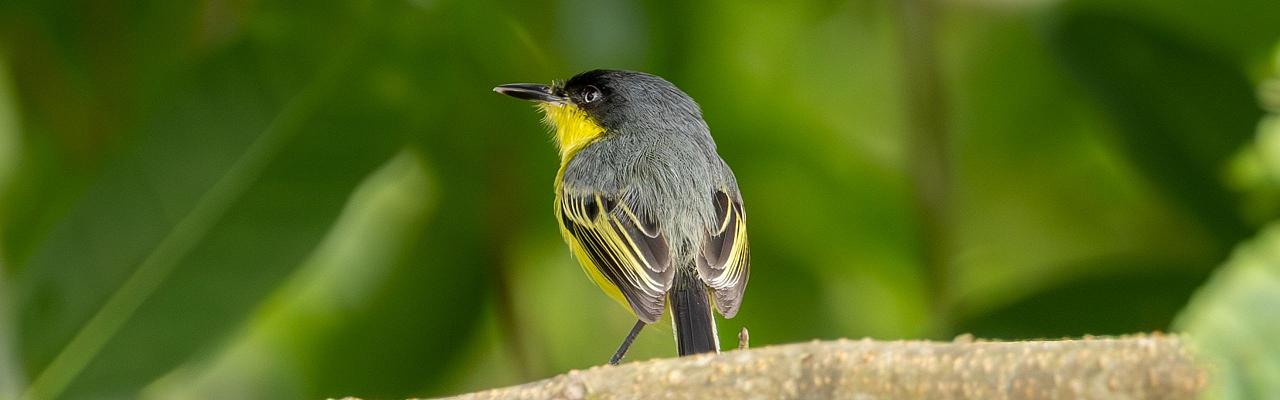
(646, 205)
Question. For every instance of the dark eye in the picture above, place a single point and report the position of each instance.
(590, 94)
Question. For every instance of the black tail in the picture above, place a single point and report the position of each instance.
(691, 315)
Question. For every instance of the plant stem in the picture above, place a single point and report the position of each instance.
(926, 151)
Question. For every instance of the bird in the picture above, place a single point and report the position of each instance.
(645, 203)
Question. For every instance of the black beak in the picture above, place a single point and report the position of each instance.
(531, 92)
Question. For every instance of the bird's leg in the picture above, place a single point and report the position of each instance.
(626, 343)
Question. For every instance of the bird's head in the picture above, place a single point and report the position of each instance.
(594, 102)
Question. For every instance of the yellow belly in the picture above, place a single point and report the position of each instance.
(584, 260)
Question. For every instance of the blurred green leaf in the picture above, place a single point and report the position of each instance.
(1042, 196)
(1255, 171)
(11, 378)
(10, 147)
(411, 329)
(272, 357)
(88, 76)
(1235, 320)
(1243, 30)
(202, 217)
(1119, 296)
(10, 385)
(1182, 110)
(404, 339)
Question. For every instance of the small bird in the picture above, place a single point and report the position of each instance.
(645, 203)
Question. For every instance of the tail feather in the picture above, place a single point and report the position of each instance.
(695, 326)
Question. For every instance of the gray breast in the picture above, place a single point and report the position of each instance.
(667, 176)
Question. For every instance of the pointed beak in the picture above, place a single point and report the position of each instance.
(531, 92)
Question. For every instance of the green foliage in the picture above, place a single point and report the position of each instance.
(205, 217)
(1235, 320)
(1182, 111)
(277, 199)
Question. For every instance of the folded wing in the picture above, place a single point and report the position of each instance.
(626, 249)
(725, 259)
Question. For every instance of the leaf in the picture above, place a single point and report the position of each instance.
(224, 193)
(82, 97)
(1182, 110)
(1125, 296)
(366, 250)
(9, 154)
(1235, 320)
(408, 334)
(1242, 29)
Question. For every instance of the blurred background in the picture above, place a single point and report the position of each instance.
(279, 199)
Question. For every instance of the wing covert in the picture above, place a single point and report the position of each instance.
(626, 249)
(725, 260)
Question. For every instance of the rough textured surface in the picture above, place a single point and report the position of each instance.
(1133, 367)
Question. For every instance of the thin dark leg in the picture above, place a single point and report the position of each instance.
(626, 343)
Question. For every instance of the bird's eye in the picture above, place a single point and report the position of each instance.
(590, 94)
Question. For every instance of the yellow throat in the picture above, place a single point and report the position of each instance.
(573, 127)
